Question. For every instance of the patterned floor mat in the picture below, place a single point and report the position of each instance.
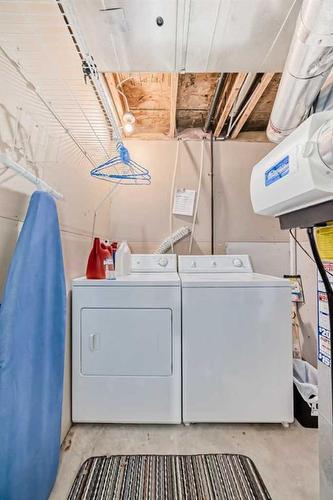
(169, 477)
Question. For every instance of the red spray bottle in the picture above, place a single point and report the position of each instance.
(96, 266)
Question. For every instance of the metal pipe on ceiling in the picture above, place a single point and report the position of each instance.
(309, 61)
(214, 102)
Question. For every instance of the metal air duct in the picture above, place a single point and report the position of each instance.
(309, 61)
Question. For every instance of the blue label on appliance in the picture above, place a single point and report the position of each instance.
(277, 171)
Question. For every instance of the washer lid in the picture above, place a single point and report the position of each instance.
(134, 279)
(250, 280)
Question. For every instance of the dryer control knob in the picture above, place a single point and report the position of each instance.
(237, 263)
(193, 263)
(214, 263)
(163, 262)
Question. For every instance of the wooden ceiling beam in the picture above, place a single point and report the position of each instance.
(252, 102)
(173, 103)
(112, 80)
(232, 88)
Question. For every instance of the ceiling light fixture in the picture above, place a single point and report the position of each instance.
(128, 117)
(128, 127)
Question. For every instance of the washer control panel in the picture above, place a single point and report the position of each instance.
(154, 263)
(214, 264)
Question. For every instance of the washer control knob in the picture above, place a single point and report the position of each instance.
(214, 263)
(237, 263)
(163, 262)
(193, 264)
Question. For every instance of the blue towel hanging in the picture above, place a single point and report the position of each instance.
(32, 331)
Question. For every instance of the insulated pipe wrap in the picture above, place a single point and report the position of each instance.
(316, 16)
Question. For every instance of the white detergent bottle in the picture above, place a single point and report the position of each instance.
(123, 260)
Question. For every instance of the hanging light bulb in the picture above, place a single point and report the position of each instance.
(128, 127)
(128, 117)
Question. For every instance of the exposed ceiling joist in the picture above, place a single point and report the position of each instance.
(259, 117)
(164, 103)
(112, 82)
(235, 83)
(173, 103)
(252, 102)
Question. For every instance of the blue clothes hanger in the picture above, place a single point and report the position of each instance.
(129, 173)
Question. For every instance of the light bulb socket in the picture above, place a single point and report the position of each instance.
(128, 117)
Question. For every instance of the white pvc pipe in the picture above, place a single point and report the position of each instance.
(198, 196)
(293, 254)
(7, 162)
(173, 182)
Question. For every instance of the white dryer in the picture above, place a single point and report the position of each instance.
(127, 345)
(237, 342)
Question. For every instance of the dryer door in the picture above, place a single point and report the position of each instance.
(126, 342)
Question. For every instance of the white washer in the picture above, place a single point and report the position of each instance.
(237, 342)
(127, 345)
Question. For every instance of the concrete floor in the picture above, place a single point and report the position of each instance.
(287, 459)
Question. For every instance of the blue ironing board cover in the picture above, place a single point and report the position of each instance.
(32, 332)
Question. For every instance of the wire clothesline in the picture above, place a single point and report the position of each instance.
(24, 172)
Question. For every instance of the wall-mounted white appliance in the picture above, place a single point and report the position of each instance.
(237, 342)
(127, 345)
(297, 173)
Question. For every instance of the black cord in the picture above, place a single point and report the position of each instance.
(301, 246)
(304, 250)
(212, 221)
(326, 282)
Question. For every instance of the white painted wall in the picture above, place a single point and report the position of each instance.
(141, 214)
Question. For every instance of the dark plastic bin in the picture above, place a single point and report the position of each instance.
(302, 411)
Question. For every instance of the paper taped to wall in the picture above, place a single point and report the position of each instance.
(183, 203)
